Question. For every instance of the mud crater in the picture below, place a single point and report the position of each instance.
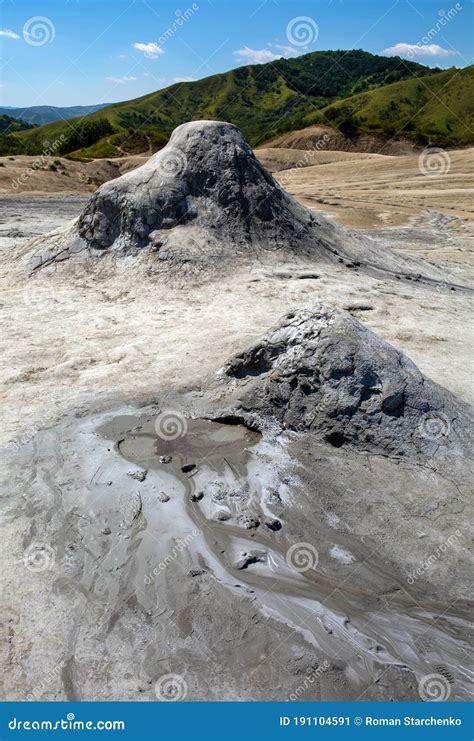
(197, 443)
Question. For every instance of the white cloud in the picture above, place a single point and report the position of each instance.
(260, 56)
(287, 51)
(9, 34)
(184, 79)
(150, 50)
(123, 56)
(121, 80)
(419, 50)
(255, 56)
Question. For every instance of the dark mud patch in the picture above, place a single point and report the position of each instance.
(191, 444)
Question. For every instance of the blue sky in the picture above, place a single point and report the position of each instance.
(92, 51)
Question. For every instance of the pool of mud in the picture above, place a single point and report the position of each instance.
(189, 445)
(206, 486)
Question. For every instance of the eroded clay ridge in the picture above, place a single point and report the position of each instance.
(320, 369)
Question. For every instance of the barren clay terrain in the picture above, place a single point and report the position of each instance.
(217, 468)
(358, 189)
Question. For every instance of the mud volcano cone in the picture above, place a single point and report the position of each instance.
(206, 183)
(320, 369)
(205, 201)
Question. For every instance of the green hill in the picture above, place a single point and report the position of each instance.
(10, 125)
(263, 100)
(437, 109)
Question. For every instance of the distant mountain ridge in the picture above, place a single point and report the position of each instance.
(44, 114)
(267, 100)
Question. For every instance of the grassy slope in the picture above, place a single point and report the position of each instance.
(8, 124)
(436, 109)
(263, 100)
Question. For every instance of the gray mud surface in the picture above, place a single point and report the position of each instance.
(25, 217)
(213, 573)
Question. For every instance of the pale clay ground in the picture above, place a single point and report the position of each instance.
(88, 344)
(63, 343)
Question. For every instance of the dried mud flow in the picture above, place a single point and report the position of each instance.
(236, 446)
